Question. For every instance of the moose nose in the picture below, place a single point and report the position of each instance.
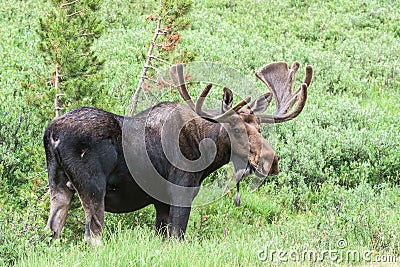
(274, 170)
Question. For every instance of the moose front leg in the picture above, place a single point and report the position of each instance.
(162, 219)
(179, 219)
(183, 188)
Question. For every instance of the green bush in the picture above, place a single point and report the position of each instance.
(347, 143)
(21, 230)
(20, 152)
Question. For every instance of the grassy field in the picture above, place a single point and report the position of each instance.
(336, 200)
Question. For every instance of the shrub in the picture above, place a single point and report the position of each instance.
(346, 143)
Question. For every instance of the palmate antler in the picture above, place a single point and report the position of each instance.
(279, 78)
(178, 79)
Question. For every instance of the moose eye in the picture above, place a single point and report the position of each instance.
(236, 131)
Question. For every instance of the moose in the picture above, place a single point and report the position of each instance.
(161, 155)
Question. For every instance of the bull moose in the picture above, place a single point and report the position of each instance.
(122, 164)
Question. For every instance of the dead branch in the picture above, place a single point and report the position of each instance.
(149, 57)
(86, 34)
(159, 59)
(75, 13)
(70, 3)
(56, 80)
(169, 41)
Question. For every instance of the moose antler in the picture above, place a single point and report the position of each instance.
(178, 79)
(279, 78)
(177, 76)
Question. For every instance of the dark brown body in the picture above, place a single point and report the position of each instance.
(161, 156)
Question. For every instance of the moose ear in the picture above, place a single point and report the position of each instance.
(261, 103)
(227, 100)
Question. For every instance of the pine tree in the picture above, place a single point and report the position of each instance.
(67, 34)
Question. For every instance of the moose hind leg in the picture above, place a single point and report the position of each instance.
(60, 201)
(94, 222)
(92, 195)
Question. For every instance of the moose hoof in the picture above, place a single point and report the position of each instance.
(237, 201)
(93, 241)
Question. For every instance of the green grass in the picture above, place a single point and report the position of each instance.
(366, 220)
(339, 160)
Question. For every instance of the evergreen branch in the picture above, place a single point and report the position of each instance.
(69, 52)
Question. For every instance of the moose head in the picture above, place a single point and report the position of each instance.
(250, 151)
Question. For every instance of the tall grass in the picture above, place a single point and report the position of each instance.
(361, 219)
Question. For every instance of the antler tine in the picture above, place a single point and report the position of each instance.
(241, 104)
(268, 96)
(308, 77)
(233, 110)
(292, 73)
(200, 101)
(201, 112)
(279, 78)
(300, 95)
(176, 73)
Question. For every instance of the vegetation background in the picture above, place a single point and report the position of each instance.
(340, 160)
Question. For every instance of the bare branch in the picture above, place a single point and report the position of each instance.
(151, 67)
(150, 79)
(162, 32)
(70, 3)
(165, 28)
(86, 34)
(159, 59)
(135, 97)
(56, 79)
(75, 13)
